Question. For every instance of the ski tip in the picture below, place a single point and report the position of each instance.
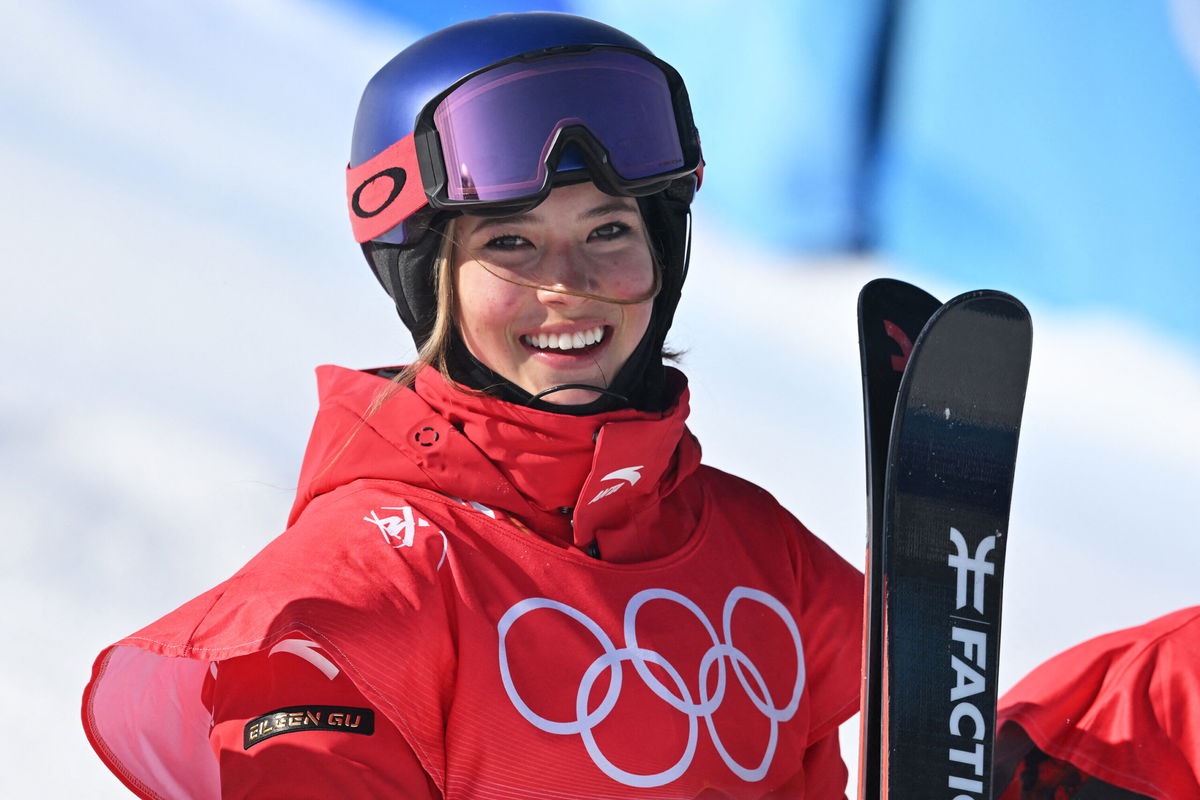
(988, 299)
(892, 287)
(888, 295)
(997, 305)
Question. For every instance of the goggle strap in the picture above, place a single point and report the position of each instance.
(384, 191)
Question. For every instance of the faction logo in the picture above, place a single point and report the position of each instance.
(897, 335)
(971, 633)
(697, 697)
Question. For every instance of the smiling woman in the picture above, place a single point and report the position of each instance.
(556, 297)
(506, 572)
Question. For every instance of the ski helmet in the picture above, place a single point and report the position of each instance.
(487, 116)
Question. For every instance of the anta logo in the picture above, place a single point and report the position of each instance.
(626, 475)
(294, 719)
(309, 651)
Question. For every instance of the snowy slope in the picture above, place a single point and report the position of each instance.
(176, 260)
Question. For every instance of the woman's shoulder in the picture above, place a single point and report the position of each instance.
(364, 546)
(364, 517)
(717, 479)
(755, 515)
(725, 490)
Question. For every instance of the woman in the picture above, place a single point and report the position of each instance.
(506, 573)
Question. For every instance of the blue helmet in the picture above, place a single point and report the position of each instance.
(435, 135)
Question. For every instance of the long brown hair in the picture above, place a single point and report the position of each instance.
(434, 351)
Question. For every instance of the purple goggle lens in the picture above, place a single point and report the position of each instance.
(498, 128)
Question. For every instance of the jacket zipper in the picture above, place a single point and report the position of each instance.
(593, 548)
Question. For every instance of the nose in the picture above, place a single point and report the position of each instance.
(563, 270)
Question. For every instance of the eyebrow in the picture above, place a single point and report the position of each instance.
(615, 206)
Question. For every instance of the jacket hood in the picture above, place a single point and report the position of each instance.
(567, 478)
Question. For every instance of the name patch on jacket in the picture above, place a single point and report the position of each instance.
(292, 719)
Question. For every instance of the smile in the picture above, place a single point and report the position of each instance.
(564, 341)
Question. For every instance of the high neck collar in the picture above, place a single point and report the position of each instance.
(526, 444)
(575, 481)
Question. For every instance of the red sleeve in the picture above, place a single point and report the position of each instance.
(1123, 707)
(825, 772)
(823, 776)
(288, 723)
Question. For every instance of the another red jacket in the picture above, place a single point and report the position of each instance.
(431, 624)
(1123, 707)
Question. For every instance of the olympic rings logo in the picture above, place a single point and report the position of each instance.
(700, 706)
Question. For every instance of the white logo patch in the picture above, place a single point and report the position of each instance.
(968, 566)
(310, 652)
(628, 475)
(400, 530)
(694, 701)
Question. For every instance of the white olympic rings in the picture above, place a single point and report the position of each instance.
(681, 699)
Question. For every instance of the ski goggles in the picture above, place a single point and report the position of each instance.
(498, 140)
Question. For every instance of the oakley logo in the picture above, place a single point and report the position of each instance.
(628, 475)
(374, 187)
(698, 699)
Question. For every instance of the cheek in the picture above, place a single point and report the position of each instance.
(484, 308)
(628, 278)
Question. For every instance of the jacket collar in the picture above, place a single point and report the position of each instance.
(567, 478)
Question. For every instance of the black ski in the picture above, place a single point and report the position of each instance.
(948, 487)
(891, 314)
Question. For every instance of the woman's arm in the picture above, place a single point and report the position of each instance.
(822, 777)
(288, 723)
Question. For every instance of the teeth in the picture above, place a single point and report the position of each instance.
(564, 341)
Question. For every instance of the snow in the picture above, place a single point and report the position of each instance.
(176, 260)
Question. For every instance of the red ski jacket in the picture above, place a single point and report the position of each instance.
(479, 600)
(1123, 707)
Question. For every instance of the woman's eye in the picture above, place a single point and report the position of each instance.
(506, 242)
(612, 230)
